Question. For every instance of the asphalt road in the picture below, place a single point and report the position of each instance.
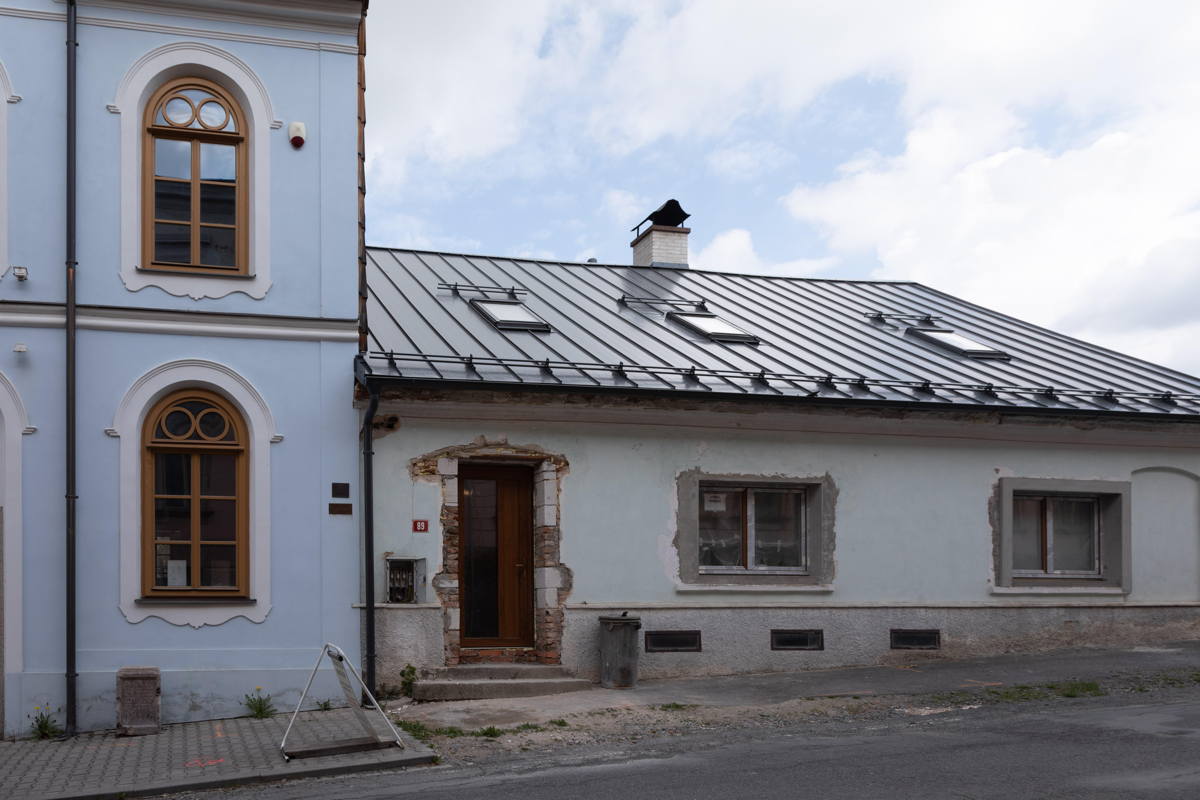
(1094, 748)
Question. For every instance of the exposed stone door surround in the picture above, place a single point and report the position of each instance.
(551, 579)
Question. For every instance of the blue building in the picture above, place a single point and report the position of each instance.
(216, 231)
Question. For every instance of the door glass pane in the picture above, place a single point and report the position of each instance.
(218, 203)
(172, 243)
(173, 519)
(217, 162)
(218, 475)
(1074, 534)
(218, 520)
(721, 527)
(172, 565)
(172, 473)
(218, 565)
(1027, 534)
(173, 200)
(217, 247)
(778, 520)
(481, 610)
(173, 158)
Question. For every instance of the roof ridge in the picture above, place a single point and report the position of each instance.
(598, 265)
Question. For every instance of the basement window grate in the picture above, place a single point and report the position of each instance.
(672, 641)
(916, 639)
(807, 639)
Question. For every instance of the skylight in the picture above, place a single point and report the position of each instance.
(713, 327)
(510, 315)
(957, 342)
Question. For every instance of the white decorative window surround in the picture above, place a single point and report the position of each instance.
(176, 60)
(14, 423)
(127, 425)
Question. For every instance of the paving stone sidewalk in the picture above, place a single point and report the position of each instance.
(194, 755)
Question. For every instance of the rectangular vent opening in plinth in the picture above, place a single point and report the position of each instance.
(803, 639)
(914, 639)
(672, 641)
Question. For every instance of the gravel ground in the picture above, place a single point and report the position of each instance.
(620, 727)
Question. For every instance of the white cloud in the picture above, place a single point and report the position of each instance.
(624, 207)
(746, 161)
(733, 251)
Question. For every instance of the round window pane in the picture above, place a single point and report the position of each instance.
(178, 423)
(178, 111)
(212, 115)
(212, 424)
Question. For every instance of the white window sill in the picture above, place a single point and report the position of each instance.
(811, 588)
(1099, 591)
(753, 571)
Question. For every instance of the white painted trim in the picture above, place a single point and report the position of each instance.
(183, 323)
(704, 588)
(14, 423)
(183, 31)
(161, 64)
(127, 425)
(305, 15)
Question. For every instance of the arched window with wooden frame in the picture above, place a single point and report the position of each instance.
(195, 500)
(195, 180)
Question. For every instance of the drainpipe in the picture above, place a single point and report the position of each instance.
(368, 452)
(71, 263)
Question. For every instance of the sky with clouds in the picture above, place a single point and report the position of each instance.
(1040, 158)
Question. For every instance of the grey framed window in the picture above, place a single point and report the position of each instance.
(712, 326)
(510, 315)
(957, 343)
(745, 528)
(1059, 532)
(1056, 535)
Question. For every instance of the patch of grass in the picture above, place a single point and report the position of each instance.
(325, 705)
(1196, 677)
(408, 676)
(1017, 694)
(1077, 689)
(675, 706)
(558, 723)
(450, 732)
(957, 698)
(490, 732)
(43, 725)
(528, 726)
(416, 729)
(258, 704)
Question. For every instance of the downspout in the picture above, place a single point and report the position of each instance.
(71, 675)
(368, 453)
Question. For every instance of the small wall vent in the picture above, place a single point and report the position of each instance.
(916, 639)
(672, 641)
(807, 639)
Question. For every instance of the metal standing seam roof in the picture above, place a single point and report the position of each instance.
(819, 339)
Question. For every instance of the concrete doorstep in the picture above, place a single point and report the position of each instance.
(191, 756)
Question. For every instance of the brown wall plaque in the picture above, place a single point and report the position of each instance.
(341, 508)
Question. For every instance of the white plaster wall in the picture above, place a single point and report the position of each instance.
(912, 521)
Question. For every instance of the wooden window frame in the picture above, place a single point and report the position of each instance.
(1046, 535)
(241, 448)
(241, 141)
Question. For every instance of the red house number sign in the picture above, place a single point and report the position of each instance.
(420, 526)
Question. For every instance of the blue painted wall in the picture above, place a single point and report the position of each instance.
(306, 384)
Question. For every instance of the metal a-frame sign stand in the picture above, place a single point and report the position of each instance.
(371, 740)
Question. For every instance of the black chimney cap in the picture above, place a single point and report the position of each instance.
(669, 213)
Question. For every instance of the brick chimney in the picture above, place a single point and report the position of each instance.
(664, 242)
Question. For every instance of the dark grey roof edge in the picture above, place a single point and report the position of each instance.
(830, 402)
(1081, 342)
(597, 265)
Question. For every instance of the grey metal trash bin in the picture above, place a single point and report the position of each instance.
(619, 651)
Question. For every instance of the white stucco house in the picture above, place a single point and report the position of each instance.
(202, 398)
(773, 473)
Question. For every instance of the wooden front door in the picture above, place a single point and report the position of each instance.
(495, 555)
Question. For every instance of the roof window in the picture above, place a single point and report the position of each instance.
(713, 327)
(955, 342)
(510, 315)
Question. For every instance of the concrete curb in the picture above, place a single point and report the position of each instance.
(414, 754)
